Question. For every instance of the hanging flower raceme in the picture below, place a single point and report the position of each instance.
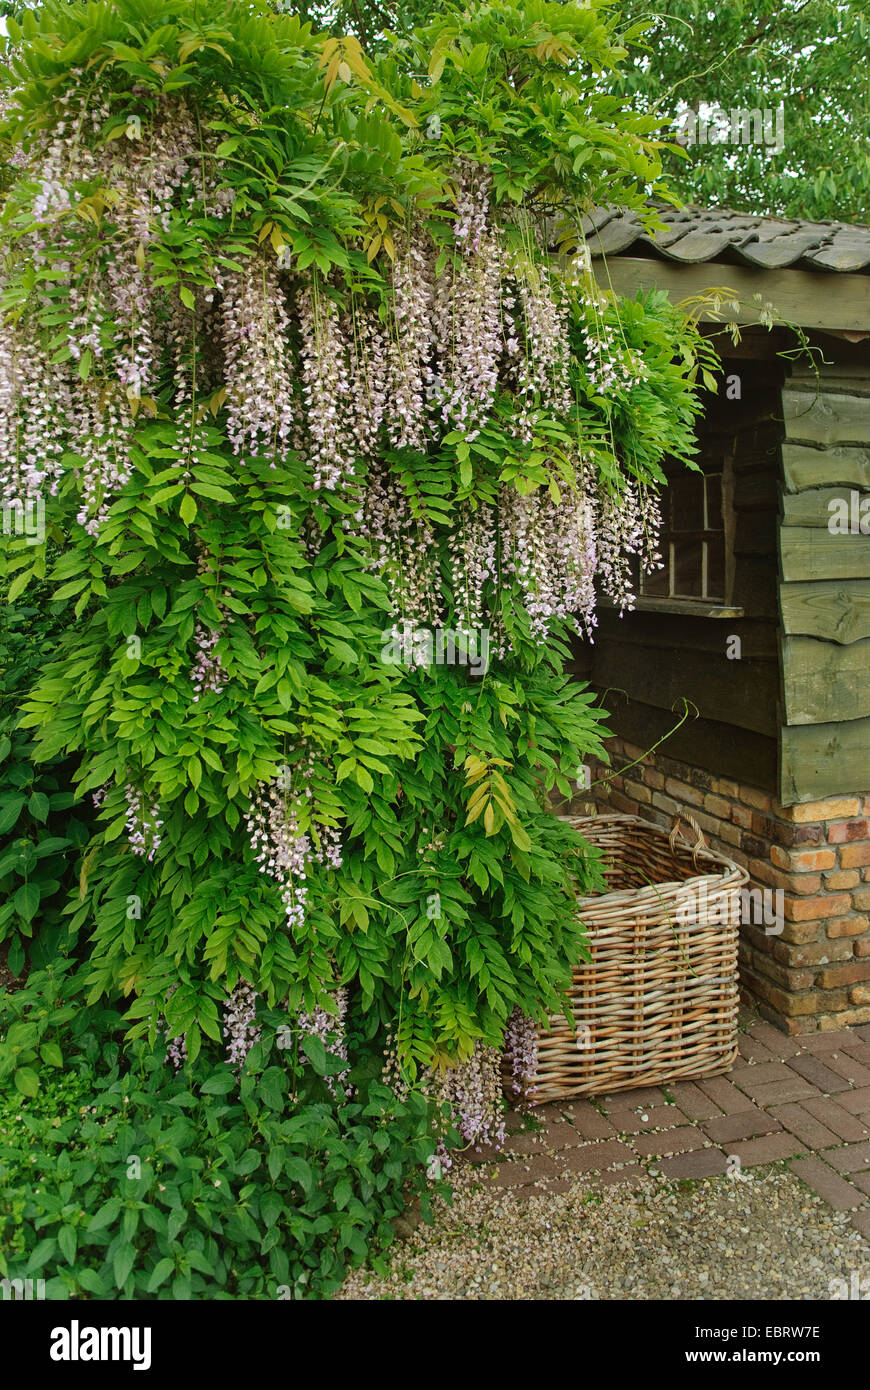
(131, 291)
(473, 549)
(281, 849)
(610, 365)
(240, 1028)
(36, 405)
(369, 378)
(542, 370)
(64, 156)
(629, 524)
(131, 299)
(521, 1054)
(550, 546)
(326, 389)
(143, 823)
(329, 1026)
(467, 314)
(183, 334)
(176, 1047)
(208, 674)
(410, 359)
(259, 378)
(473, 1092)
(404, 548)
(102, 430)
(81, 405)
(176, 1051)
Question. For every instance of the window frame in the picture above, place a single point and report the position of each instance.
(701, 605)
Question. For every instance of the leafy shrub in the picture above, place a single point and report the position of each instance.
(128, 1181)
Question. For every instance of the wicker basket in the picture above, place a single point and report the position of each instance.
(659, 998)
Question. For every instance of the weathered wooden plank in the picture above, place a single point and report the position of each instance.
(830, 418)
(808, 552)
(755, 533)
(756, 491)
(850, 373)
(742, 445)
(811, 299)
(849, 382)
(740, 693)
(755, 584)
(836, 612)
(669, 632)
(806, 467)
(752, 458)
(824, 681)
(819, 506)
(749, 758)
(819, 760)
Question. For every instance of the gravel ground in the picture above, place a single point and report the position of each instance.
(764, 1237)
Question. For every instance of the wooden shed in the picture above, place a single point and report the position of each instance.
(761, 616)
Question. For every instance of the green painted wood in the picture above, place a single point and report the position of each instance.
(825, 681)
(819, 760)
(808, 552)
(849, 383)
(829, 418)
(838, 612)
(815, 507)
(850, 374)
(805, 297)
(805, 467)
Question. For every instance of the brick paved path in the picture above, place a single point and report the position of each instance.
(803, 1099)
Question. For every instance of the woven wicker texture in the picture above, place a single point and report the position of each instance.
(658, 1000)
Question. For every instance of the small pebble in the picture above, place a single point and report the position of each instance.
(712, 1239)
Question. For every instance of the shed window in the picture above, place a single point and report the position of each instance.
(693, 537)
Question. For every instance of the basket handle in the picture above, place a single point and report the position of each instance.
(675, 830)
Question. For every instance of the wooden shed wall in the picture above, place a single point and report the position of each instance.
(824, 588)
(646, 662)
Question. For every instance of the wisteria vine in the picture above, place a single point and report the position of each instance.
(208, 314)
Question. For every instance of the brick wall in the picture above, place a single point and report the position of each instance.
(814, 973)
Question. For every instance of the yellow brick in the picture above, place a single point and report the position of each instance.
(826, 810)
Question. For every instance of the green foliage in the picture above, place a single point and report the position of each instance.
(750, 54)
(137, 1184)
(40, 831)
(757, 54)
(326, 154)
(454, 901)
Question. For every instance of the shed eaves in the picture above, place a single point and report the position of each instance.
(694, 234)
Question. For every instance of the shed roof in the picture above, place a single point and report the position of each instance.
(693, 234)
